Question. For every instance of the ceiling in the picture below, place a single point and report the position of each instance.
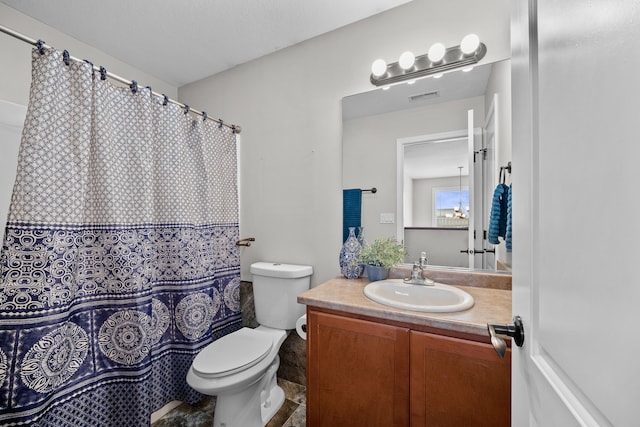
(184, 41)
(437, 159)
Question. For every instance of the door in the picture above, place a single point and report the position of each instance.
(475, 161)
(456, 382)
(576, 105)
(357, 372)
(473, 194)
(489, 180)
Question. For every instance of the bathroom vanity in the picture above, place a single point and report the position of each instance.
(374, 365)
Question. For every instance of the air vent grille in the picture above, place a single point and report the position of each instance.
(424, 96)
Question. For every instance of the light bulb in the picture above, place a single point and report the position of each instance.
(379, 68)
(386, 87)
(469, 44)
(436, 52)
(406, 60)
(467, 69)
(410, 82)
(437, 76)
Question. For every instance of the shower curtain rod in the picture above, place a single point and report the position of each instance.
(130, 83)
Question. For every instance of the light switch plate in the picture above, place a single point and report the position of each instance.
(387, 218)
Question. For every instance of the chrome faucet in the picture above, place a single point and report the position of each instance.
(417, 273)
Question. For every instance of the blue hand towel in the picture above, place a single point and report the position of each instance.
(498, 218)
(351, 210)
(508, 234)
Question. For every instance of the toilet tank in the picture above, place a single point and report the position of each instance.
(275, 291)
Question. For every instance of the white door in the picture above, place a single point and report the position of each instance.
(576, 110)
(472, 191)
(476, 195)
(489, 180)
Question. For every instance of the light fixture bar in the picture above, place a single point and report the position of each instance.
(453, 58)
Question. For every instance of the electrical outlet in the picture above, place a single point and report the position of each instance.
(387, 218)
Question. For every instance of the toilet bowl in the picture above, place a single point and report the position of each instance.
(240, 368)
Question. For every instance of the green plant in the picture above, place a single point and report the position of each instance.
(384, 252)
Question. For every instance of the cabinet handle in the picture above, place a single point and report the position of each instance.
(514, 330)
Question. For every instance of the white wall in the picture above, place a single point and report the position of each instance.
(15, 64)
(288, 104)
(442, 246)
(500, 84)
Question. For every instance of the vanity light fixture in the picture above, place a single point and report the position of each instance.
(436, 61)
(379, 67)
(436, 52)
(407, 60)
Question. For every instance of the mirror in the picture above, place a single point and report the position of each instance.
(410, 141)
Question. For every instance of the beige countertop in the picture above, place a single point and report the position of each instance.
(491, 306)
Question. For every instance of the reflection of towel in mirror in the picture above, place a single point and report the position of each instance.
(351, 210)
(508, 233)
(498, 218)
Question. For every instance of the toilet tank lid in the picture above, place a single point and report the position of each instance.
(275, 269)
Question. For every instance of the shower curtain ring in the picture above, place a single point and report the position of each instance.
(103, 73)
(134, 86)
(204, 116)
(65, 57)
(150, 91)
(220, 123)
(186, 109)
(166, 100)
(40, 46)
(93, 74)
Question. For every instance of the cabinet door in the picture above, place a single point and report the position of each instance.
(456, 383)
(356, 372)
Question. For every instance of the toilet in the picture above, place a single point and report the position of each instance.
(240, 368)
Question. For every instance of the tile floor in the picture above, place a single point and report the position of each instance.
(292, 413)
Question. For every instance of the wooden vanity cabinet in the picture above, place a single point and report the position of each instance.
(368, 373)
(456, 382)
(357, 372)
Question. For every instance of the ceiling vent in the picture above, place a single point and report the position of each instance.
(424, 96)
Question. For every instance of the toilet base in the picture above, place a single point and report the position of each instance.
(253, 406)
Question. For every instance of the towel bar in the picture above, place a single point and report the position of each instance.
(245, 241)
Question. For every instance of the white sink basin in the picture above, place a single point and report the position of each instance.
(438, 298)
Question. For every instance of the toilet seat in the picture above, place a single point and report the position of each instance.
(233, 353)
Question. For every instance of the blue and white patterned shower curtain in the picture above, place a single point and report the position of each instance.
(119, 260)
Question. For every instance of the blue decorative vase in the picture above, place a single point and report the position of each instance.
(349, 254)
(361, 238)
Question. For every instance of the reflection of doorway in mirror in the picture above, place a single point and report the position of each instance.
(434, 197)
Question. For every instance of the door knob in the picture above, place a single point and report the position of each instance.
(514, 330)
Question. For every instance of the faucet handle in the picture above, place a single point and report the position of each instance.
(423, 259)
(416, 271)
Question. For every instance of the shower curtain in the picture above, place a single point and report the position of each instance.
(119, 260)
